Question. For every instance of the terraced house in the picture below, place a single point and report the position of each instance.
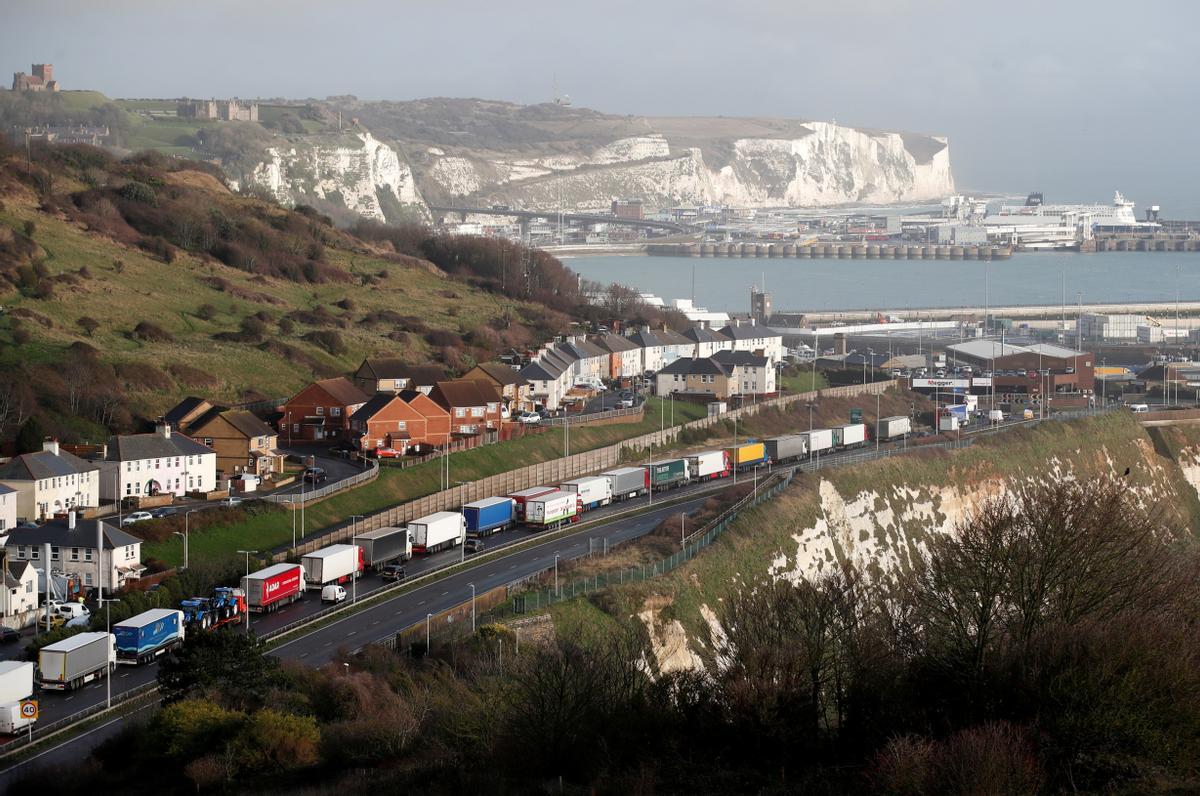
(320, 411)
(50, 481)
(389, 425)
(73, 550)
(474, 406)
(165, 462)
(243, 443)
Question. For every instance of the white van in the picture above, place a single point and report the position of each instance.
(1139, 408)
(333, 594)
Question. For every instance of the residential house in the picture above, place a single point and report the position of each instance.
(390, 422)
(653, 349)
(474, 405)
(186, 412)
(751, 374)
(589, 362)
(164, 462)
(508, 383)
(20, 593)
(755, 339)
(675, 345)
(389, 374)
(73, 550)
(8, 508)
(50, 481)
(695, 376)
(437, 418)
(706, 342)
(546, 379)
(624, 355)
(243, 442)
(321, 410)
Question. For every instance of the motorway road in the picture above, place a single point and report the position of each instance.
(380, 621)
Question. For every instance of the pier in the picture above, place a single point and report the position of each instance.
(831, 250)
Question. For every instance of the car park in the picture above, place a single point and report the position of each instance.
(137, 516)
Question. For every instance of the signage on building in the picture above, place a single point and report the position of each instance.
(941, 384)
(982, 381)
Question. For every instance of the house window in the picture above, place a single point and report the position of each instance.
(87, 554)
(320, 411)
(335, 411)
(460, 412)
(87, 579)
(295, 428)
(29, 587)
(477, 411)
(74, 553)
(491, 407)
(53, 553)
(401, 425)
(208, 441)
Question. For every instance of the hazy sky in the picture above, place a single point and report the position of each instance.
(1071, 98)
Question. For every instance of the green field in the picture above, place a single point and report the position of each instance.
(396, 485)
(804, 381)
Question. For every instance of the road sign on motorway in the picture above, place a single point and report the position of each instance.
(29, 709)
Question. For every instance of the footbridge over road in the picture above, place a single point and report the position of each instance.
(525, 216)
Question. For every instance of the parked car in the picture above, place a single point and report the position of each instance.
(342, 448)
(232, 502)
(164, 511)
(137, 516)
(529, 418)
(383, 453)
(627, 403)
(392, 572)
(333, 594)
(315, 475)
(8, 635)
(473, 546)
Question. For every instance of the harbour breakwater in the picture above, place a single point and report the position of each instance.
(837, 251)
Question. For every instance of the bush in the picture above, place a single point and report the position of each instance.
(136, 191)
(331, 342)
(149, 332)
(88, 324)
(206, 312)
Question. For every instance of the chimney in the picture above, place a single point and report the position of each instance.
(164, 428)
(71, 519)
(50, 444)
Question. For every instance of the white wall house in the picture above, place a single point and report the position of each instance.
(162, 463)
(750, 374)
(749, 337)
(652, 349)
(624, 356)
(50, 481)
(8, 508)
(73, 546)
(706, 342)
(545, 384)
(19, 597)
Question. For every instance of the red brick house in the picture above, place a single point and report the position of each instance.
(389, 374)
(474, 405)
(322, 410)
(390, 422)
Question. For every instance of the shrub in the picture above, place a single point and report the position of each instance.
(149, 332)
(136, 191)
(331, 342)
(88, 324)
(29, 227)
(252, 327)
(206, 312)
(286, 326)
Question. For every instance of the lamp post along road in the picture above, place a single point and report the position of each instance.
(472, 585)
(109, 669)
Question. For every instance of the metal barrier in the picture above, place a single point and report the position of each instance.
(44, 730)
(591, 417)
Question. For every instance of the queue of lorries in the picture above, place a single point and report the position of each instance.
(71, 663)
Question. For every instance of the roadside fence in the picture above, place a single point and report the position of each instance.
(312, 495)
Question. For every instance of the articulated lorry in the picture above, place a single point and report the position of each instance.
(224, 606)
(627, 482)
(69, 664)
(552, 510)
(668, 474)
(892, 427)
(594, 491)
(743, 457)
(384, 546)
(274, 587)
(438, 531)
(485, 517)
(336, 563)
(785, 449)
(144, 637)
(708, 465)
(16, 684)
(522, 496)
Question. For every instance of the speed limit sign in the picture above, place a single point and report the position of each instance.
(29, 709)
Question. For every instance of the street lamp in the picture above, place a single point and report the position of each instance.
(472, 585)
(108, 628)
(427, 618)
(291, 501)
(184, 537)
(247, 553)
(556, 591)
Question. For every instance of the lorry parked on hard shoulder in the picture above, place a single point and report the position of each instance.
(748, 455)
(384, 546)
(225, 605)
(552, 510)
(707, 465)
(522, 496)
(594, 491)
(489, 515)
(274, 587)
(668, 475)
(336, 563)
(144, 637)
(785, 449)
(889, 428)
(16, 684)
(438, 531)
(627, 482)
(75, 661)
(851, 435)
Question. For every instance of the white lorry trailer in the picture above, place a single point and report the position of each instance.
(437, 531)
(68, 664)
(333, 564)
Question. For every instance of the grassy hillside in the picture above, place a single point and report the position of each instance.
(876, 515)
(172, 319)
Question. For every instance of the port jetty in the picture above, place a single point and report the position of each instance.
(832, 250)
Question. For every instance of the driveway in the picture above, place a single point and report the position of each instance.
(336, 467)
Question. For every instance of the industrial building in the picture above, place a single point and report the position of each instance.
(1028, 369)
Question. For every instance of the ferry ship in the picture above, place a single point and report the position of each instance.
(1037, 225)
